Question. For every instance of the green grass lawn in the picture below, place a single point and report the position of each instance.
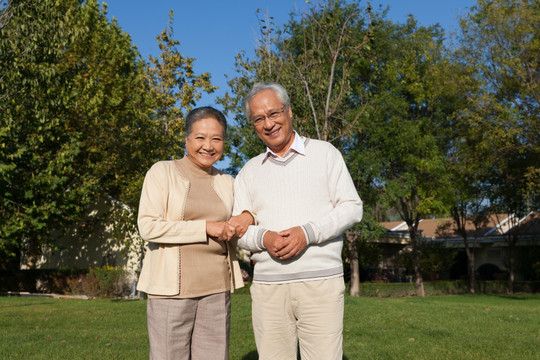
(437, 327)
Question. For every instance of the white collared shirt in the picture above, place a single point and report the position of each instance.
(297, 146)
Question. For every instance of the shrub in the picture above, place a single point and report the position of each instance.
(456, 287)
(528, 262)
(435, 259)
(106, 281)
(446, 287)
(488, 271)
(38, 280)
(380, 289)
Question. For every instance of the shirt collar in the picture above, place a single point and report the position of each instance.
(296, 146)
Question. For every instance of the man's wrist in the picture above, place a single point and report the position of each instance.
(260, 238)
(309, 233)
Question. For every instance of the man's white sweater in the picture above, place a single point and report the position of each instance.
(313, 190)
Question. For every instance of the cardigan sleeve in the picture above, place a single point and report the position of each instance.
(155, 220)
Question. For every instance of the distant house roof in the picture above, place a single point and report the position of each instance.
(531, 224)
(494, 225)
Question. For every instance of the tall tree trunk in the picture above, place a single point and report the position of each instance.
(511, 275)
(419, 281)
(460, 218)
(470, 269)
(470, 259)
(473, 265)
(411, 217)
(351, 237)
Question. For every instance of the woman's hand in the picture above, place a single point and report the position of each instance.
(221, 230)
(241, 223)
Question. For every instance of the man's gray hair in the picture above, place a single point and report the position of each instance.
(258, 87)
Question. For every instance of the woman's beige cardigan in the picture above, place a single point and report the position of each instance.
(161, 224)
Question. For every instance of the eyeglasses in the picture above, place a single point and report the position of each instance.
(273, 115)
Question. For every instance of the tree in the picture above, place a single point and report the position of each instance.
(500, 39)
(467, 167)
(361, 252)
(407, 130)
(77, 125)
(174, 89)
(324, 55)
(317, 59)
(58, 93)
(436, 259)
(463, 213)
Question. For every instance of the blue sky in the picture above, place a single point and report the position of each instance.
(214, 31)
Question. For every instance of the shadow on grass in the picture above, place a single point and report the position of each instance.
(253, 355)
(26, 305)
(516, 297)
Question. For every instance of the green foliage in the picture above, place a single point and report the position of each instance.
(315, 57)
(408, 118)
(242, 143)
(501, 38)
(435, 258)
(528, 261)
(68, 97)
(321, 58)
(501, 44)
(83, 118)
(381, 92)
(174, 89)
(497, 146)
(38, 280)
(438, 288)
(403, 139)
(106, 281)
(368, 253)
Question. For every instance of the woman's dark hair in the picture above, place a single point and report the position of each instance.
(203, 113)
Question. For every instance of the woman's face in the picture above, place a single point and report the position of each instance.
(204, 145)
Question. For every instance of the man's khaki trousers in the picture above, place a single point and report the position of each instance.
(307, 314)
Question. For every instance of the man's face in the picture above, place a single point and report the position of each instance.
(272, 121)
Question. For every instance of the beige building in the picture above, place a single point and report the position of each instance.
(93, 243)
(490, 241)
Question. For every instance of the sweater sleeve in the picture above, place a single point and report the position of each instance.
(155, 222)
(252, 239)
(347, 206)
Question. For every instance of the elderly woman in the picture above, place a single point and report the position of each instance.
(190, 265)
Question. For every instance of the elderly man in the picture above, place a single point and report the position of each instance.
(302, 198)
